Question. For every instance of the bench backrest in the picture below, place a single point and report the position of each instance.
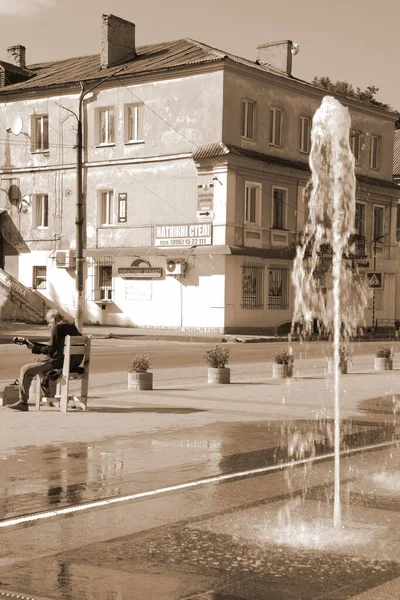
(77, 344)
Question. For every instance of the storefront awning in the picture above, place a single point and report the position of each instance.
(184, 252)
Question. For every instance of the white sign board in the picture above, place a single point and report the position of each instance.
(194, 234)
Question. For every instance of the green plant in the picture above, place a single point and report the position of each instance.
(283, 357)
(345, 353)
(217, 358)
(384, 352)
(139, 364)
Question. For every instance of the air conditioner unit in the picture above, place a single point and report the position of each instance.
(175, 267)
(65, 259)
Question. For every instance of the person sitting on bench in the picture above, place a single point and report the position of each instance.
(49, 368)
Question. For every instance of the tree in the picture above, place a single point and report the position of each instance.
(344, 88)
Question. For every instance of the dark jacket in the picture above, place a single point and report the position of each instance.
(55, 348)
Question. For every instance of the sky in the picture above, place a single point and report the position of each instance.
(352, 40)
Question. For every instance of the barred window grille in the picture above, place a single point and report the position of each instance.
(252, 285)
(278, 287)
(104, 288)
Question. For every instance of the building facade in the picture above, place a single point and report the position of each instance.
(193, 170)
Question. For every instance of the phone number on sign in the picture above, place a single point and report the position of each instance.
(183, 242)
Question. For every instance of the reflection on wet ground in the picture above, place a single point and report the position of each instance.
(36, 479)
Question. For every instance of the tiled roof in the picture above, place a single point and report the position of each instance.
(152, 58)
(220, 149)
(396, 155)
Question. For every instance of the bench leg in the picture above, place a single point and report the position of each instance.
(38, 391)
(64, 393)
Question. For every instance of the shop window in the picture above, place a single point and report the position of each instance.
(248, 119)
(41, 210)
(252, 285)
(276, 127)
(278, 287)
(40, 133)
(106, 134)
(39, 278)
(133, 123)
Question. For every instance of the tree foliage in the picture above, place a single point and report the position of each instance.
(344, 88)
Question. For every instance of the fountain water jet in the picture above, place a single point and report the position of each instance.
(331, 204)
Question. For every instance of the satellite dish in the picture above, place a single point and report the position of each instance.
(16, 126)
(295, 49)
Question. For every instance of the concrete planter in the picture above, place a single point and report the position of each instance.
(219, 375)
(383, 364)
(281, 371)
(140, 381)
(342, 366)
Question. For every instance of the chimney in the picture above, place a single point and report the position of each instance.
(117, 41)
(16, 56)
(276, 54)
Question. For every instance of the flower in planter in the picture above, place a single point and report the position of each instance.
(217, 358)
(345, 353)
(139, 364)
(283, 357)
(384, 352)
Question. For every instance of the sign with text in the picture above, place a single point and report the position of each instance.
(122, 207)
(195, 234)
(205, 197)
(375, 280)
(140, 272)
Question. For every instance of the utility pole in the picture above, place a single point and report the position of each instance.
(80, 213)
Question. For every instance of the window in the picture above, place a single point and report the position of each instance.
(252, 285)
(276, 127)
(252, 203)
(248, 119)
(133, 123)
(278, 208)
(374, 152)
(39, 278)
(105, 282)
(355, 143)
(378, 221)
(40, 133)
(278, 287)
(41, 210)
(106, 126)
(304, 134)
(359, 224)
(106, 208)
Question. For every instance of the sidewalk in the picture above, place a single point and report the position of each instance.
(10, 329)
(182, 399)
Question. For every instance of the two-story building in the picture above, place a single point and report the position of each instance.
(194, 166)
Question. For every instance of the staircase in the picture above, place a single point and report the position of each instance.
(18, 302)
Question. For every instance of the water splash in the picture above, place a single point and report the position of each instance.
(330, 196)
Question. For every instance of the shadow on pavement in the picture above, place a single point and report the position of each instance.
(151, 409)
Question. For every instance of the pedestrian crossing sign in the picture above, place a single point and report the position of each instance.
(375, 280)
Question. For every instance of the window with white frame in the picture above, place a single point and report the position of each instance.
(106, 134)
(355, 143)
(276, 127)
(39, 278)
(252, 203)
(133, 123)
(278, 208)
(304, 134)
(374, 152)
(378, 221)
(40, 133)
(359, 221)
(41, 210)
(106, 208)
(248, 119)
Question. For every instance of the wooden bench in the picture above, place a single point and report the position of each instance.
(73, 345)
